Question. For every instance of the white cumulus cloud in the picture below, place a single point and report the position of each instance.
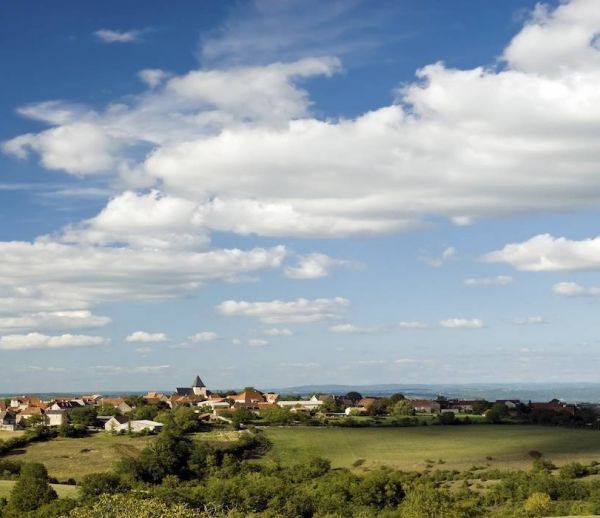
(572, 289)
(313, 266)
(278, 331)
(41, 341)
(546, 253)
(143, 336)
(529, 321)
(499, 280)
(203, 336)
(462, 323)
(455, 143)
(279, 311)
(115, 36)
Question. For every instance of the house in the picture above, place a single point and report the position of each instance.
(366, 402)
(198, 388)
(216, 404)
(155, 398)
(248, 397)
(117, 402)
(554, 406)
(22, 402)
(115, 422)
(185, 400)
(56, 417)
(141, 425)
(29, 412)
(65, 404)
(2, 406)
(8, 421)
(93, 400)
(425, 405)
(463, 405)
(271, 397)
(354, 410)
(511, 404)
(302, 404)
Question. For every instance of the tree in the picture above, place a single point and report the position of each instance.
(394, 398)
(538, 504)
(277, 415)
(241, 416)
(32, 489)
(83, 416)
(129, 506)
(480, 406)
(424, 501)
(96, 484)
(33, 421)
(332, 405)
(402, 408)
(379, 407)
(148, 412)
(107, 409)
(354, 396)
(496, 413)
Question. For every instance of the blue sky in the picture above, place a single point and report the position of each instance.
(285, 193)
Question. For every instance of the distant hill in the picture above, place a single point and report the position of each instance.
(571, 392)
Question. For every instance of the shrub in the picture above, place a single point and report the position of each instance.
(537, 504)
(32, 489)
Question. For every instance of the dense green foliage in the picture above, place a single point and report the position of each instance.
(31, 490)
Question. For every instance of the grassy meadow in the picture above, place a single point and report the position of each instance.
(413, 448)
(8, 435)
(73, 458)
(409, 449)
(63, 490)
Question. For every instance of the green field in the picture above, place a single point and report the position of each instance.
(7, 435)
(63, 490)
(74, 458)
(459, 447)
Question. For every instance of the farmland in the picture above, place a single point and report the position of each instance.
(63, 490)
(409, 449)
(74, 458)
(413, 448)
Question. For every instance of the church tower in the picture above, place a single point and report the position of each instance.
(199, 387)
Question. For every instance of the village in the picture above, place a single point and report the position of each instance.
(121, 414)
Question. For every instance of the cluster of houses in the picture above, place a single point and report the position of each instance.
(210, 405)
(24, 410)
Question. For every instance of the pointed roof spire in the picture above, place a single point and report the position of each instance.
(198, 382)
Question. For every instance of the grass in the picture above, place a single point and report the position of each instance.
(63, 490)
(410, 448)
(8, 435)
(74, 458)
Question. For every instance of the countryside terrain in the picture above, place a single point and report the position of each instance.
(408, 449)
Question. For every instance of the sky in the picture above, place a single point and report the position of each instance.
(278, 193)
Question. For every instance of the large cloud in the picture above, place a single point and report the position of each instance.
(242, 145)
(50, 276)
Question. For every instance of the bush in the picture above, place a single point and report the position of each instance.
(97, 484)
(572, 470)
(31, 490)
(538, 504)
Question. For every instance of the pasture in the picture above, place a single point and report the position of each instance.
(433, 447)
(73, 458)
(8, 435)
(63, 490)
